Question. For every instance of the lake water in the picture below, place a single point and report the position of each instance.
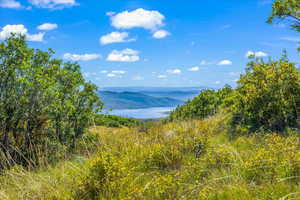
(146, 113)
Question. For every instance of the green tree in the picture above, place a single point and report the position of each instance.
(286, 9)
(41, 99)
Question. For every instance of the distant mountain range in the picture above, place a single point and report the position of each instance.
(135, 100)
(146, 97)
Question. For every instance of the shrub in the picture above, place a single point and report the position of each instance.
(267, 96)
(103, 179)
(158, 156)
(207, 103)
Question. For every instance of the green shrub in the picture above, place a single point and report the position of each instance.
(115, 121)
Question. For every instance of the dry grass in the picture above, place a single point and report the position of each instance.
(186, 160)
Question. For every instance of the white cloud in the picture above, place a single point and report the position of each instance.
(194, 69)
(147, 19)
(225, 62)
(126, 55)
(174, 71)
(20, 29)
(160, 34)
(83, 57)
(39, 37)
(162, 76)
(260, 54)
(115, 37)
(119, 72)
(217, 82)
(137, 78)
(47, 27)
(256, 54)
(204, 62)
(103, 71)
(111, 75)
(110, 13)
(10, 4)
(53, 4)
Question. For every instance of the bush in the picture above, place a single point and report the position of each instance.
(267, 97)
(103, 179)
(41, 100)
(115, 121)
(207, 103)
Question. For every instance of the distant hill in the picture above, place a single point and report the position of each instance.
(135, 100)
(154, 89)
(180, 95)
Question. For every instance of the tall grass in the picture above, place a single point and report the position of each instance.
(183, 160)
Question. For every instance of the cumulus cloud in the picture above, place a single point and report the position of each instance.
(147, 19)
(47, 27)
(83, 57)
(194, 69)
(256, 54)
(174, 71)
(160, 34)
(53, 4)
(10, 4)
(115, 37)
(126, 55)
(225, 62)
(20, 29)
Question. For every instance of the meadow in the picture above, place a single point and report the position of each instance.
(188, 160)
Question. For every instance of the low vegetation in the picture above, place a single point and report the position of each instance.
(183, 160)
(115, 121)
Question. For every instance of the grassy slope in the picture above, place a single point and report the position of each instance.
(162, 163)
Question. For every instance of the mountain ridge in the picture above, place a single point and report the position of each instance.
(135, 100)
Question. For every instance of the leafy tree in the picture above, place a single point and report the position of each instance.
(288, 10)
(41, 99)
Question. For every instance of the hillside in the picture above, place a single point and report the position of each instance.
(171, 161)
(135, 100)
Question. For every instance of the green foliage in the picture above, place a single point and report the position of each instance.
(207, 103)
(267, 96)
(289, 9)
(43, 101)
(162, 163)
(115, 121)
(286, 9)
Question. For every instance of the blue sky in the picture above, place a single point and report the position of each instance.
(152, 42)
